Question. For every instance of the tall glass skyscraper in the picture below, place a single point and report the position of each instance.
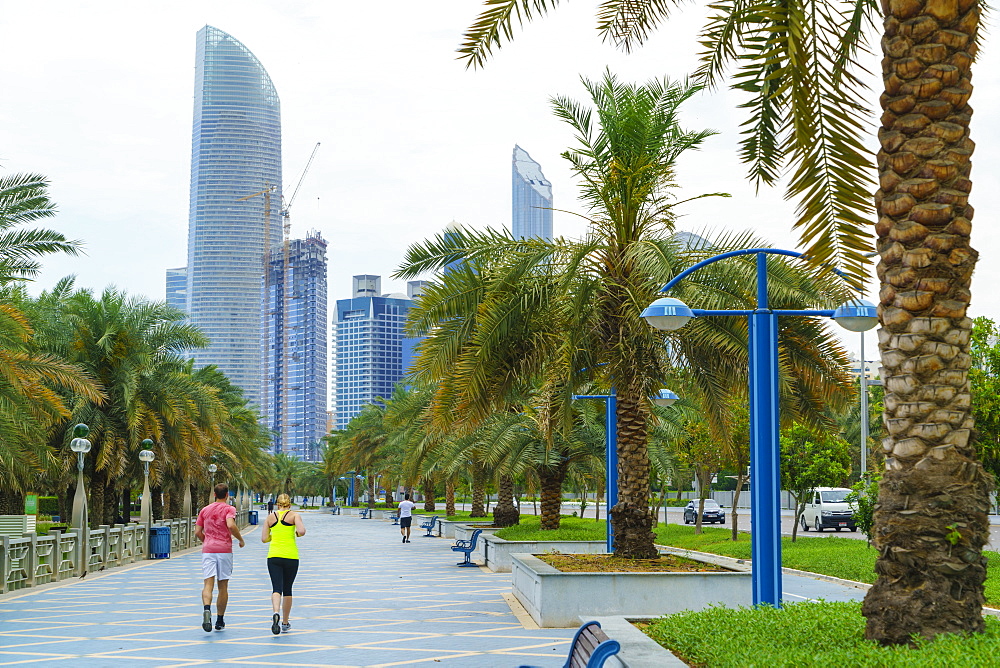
(295, 348)
(531, 211)
(235, 210)
(177, 288)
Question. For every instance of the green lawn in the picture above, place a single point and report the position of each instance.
(570, 528)
(839, 557)
(808, 634)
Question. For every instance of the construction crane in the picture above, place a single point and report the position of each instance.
(285, 352)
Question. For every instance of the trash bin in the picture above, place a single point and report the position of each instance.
(159, 542)
(253, 517)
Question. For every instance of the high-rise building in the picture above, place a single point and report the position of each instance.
(177, 288)
(531, 198)
(369, 347)
(235, 209)
(295, 346)
(414, 290)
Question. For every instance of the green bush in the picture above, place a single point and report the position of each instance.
(808, 634)
(48, 505)
(676, 503)
(43, 528)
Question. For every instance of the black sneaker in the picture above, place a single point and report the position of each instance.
(206, 621)
(219, 624)
(275, 624)
(404, 539)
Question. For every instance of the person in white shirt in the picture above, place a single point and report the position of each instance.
(406, 517)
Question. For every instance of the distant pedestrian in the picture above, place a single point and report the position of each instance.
(216, 527)
(406, 517)
(281, 529)
(270, 506)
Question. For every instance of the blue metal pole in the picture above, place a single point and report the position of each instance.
(350, 493)
(765, 477)
(611, 462)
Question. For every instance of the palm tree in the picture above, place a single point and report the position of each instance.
(513, 314)
(24, 199)
(798, 65)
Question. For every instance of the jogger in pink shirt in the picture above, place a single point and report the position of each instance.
(216, 528)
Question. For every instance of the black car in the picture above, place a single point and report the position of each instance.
(713, 513)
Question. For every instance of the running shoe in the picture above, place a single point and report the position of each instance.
(286, 627)
(206, 621)
(219, 624)
(275, 628)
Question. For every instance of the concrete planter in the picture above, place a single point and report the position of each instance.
(446, 528)
(497, 551)
(555, 599)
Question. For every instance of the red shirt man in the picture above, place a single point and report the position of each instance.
(216, 528)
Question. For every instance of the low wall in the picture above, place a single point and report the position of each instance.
(556, 599)
(497, 552)
(31, 559)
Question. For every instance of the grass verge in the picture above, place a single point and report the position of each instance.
(838, 557)
(807, 634)
(570, 528)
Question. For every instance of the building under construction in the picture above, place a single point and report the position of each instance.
(295, 347)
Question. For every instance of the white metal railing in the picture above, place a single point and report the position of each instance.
(30, 559)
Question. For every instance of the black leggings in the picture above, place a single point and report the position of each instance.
(282, 572)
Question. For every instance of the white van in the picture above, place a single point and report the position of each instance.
(827, 508)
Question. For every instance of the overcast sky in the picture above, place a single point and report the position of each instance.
(98, 96)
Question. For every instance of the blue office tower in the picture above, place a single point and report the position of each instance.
(370, 346)
(235, 206)
(295, 343)
(531, 198)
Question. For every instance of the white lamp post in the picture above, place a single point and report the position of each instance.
(212, 468)
(81, 446)
(146, 508)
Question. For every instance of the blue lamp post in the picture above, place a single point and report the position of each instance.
(668, 313)
(350, 491)
(662, 398)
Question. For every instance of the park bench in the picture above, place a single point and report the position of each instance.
(468, 547)
(591, 648)
(365, 513)
(335, 510)
(429, 525)
(395, 518)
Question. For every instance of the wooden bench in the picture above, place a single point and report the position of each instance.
(468, 547)
(591, 648)
(429, 525)
(365, 513)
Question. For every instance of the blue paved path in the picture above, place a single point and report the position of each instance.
(362, 599)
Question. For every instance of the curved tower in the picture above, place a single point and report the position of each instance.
(531, 212)
(235, 209)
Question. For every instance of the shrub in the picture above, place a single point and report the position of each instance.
(48, 505)
(808, 634)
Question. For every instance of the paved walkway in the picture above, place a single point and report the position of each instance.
(362, 599)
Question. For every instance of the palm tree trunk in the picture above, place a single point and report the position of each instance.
(11, 503)
(597, 501)
(934, 489)
(449, 496)
(478, 490)
(630, 518)
(428, 491)
(552, 478)
(371, 491)
(505, 514)
(96, 504)
(156, 502)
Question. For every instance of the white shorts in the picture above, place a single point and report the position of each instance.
(218, 565)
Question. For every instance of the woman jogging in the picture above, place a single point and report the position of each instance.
(281, 530)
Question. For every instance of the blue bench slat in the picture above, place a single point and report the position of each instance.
(600, 654)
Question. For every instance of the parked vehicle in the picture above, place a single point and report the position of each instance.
(713, 512)
(828, 509)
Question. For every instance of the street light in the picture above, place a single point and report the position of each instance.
(81, 446)
(146, 510)
(662, 398)
(850, 319)
(212, 468)
(765, 514)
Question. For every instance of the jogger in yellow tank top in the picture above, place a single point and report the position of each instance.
(281, 529)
